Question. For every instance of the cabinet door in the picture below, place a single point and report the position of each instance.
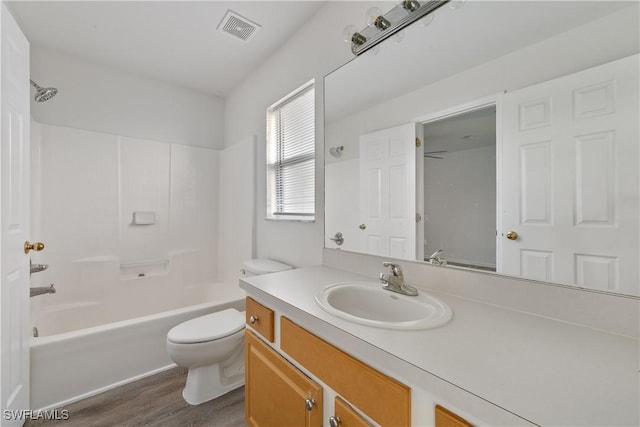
(276, 392)
(347, 416)
(446, 418)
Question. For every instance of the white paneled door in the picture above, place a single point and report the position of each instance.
(14, 221)
(570, 181)
(388, 192)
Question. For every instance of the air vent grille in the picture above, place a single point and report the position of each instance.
(238, 26)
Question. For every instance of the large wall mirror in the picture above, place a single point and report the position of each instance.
(498, 136)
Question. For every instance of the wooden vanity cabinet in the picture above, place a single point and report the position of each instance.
(382, 398)
(276, 392)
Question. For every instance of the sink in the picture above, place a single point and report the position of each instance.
(368, 304)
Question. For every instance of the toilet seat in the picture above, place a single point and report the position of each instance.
(209, 327)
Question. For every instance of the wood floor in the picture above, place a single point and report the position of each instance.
(155, 401)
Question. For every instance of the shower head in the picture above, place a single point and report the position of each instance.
(43, 94)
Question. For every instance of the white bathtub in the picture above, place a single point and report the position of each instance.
(69, 364)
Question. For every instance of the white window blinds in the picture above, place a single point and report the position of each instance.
(291, 156)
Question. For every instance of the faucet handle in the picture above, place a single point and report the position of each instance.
(395, 268)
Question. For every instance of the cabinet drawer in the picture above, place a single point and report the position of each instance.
(385, 400)
(260, 318)
(348, 416)
(276, 392)
(446, 418)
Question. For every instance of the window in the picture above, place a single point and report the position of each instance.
(291, 156)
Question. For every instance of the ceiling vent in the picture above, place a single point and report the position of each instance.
(238, 26)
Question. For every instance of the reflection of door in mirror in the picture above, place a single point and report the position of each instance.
(460, 188)
(388, 211)
(570, 179)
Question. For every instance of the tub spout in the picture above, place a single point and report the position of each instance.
(42, 290)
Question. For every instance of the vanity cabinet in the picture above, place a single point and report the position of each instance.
(380, 397)
(276, 392)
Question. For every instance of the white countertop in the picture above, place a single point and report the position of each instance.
(544, 370)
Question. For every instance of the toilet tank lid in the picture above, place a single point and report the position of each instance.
(263, 266)
(208, 327)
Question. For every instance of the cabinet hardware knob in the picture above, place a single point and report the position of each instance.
(512, 235)
(253, 319)
(35, 246)
(334, 421)
(308, 403)
(362, 226)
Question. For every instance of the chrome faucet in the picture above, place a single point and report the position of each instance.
(40, 290)
(37, 268)
(436, 258)
(394, 280)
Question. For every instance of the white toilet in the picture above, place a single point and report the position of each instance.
(211, 346)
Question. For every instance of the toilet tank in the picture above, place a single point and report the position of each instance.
(256, 267)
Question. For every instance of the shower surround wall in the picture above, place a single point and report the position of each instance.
(87, 186)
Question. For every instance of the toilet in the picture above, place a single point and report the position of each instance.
(211, 346)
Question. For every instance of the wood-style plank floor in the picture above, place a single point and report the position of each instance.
(155, 401)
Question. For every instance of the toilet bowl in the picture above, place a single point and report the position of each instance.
(211, 346)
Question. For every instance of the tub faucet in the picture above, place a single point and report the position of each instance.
(40, 290)
(436, 258)
(394, 280)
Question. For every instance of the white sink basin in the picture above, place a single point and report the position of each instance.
(368, 304)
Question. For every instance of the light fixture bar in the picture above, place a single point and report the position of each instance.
(399, 17)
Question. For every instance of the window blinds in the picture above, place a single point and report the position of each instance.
(291, 156)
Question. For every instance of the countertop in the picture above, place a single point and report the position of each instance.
(546, 371)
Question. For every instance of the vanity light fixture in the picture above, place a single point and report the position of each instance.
(380, 26)
(336, 151)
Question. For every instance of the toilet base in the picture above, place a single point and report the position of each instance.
(205, 383)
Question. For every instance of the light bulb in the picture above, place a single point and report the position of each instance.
(348, 33)
(457, 4)
(408, 5)
(427, 19)
(371, 15)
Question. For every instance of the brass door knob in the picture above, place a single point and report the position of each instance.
(512, 235)
(36, 246)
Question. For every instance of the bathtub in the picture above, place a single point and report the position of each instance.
(81, 351)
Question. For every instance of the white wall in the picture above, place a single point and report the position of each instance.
(87, 185)
(460, 206)
(236, 224)
(316, 50)
(103, 99)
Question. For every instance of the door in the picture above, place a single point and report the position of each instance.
(276, 392)
(388, 203)
(14, 220)
(570, 179)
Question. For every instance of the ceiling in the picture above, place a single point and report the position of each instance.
(474, 129)
(176, 42)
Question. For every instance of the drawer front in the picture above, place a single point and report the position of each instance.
(446, 418)
(260, 318)
(348, 416)
(385, 400)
